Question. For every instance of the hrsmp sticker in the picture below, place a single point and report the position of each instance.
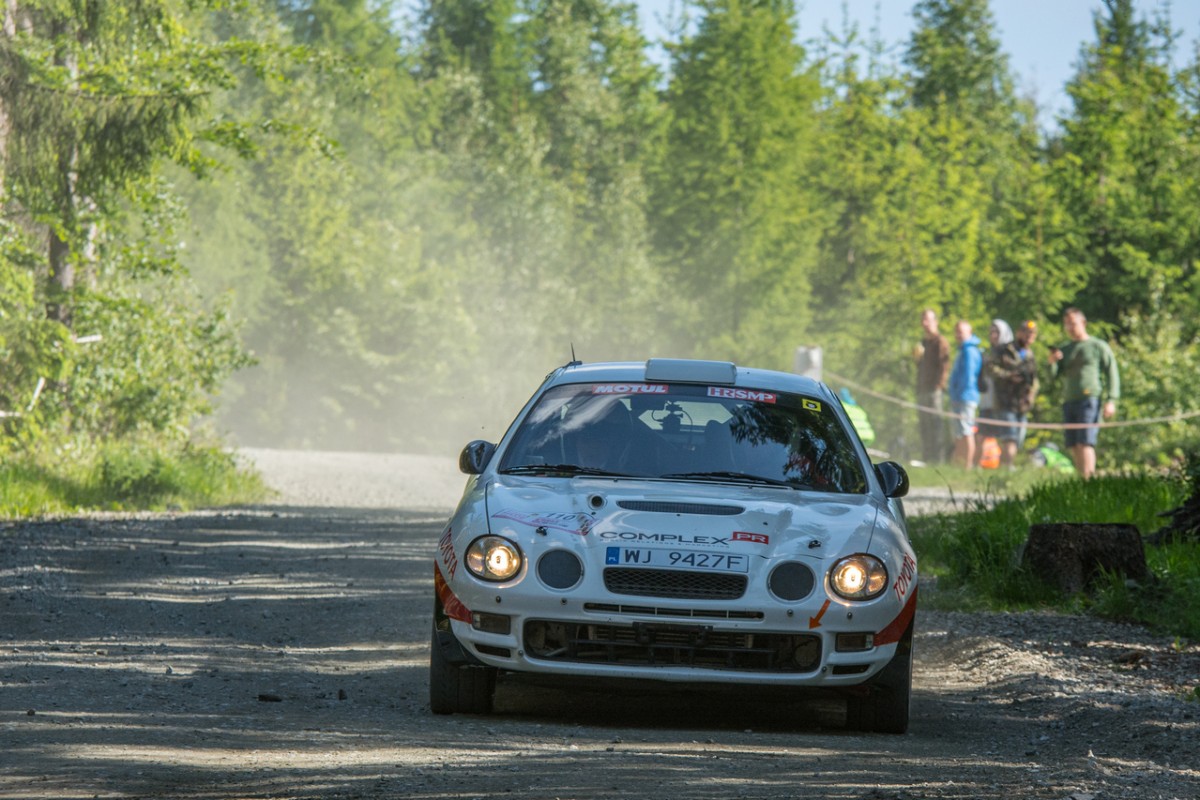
(730, 393)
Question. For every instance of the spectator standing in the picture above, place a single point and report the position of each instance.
(933, 368)
(1000, 335)
(1013, 375)
(964, 393)
(1091, 387)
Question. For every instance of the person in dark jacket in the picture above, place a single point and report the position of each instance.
(964, 393)
(1013, 375)
(933, 369)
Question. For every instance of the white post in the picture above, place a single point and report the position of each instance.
(808, 362)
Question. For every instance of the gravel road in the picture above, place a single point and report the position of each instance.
(280, 652)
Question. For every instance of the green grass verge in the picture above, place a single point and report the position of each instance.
(975, 555)
(124, 476)
(991, 482)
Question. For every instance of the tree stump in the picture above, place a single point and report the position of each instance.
(1070, 556)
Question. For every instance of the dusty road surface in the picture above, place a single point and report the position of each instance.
(280, 652)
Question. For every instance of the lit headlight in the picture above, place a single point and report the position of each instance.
(493, 558)
(858, 577)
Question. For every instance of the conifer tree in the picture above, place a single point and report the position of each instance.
(598, 113)
(733, 222)
(1125, 166)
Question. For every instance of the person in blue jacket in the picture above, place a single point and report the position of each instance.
(964, 393)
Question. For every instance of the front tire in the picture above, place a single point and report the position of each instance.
(457, 688)
(885, 704)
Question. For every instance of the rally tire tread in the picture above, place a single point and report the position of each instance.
(455, 689)
(885, 707)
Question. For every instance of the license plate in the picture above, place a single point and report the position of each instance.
(676, 559)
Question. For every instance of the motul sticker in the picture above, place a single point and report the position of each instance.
(746, 536)
(630, 388)
(811, 405)
(729, 393)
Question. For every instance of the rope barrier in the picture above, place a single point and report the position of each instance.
(1050, 426)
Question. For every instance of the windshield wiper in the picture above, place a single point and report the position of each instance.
(738, 477)
(563, 469)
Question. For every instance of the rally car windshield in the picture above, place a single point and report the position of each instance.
(686, 432)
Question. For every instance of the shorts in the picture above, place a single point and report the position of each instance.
(1010, 432)
(1076, 411)
(964, 423)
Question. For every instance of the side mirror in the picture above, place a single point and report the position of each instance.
(893, 477)
(475, 456)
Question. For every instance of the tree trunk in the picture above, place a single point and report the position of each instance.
(8, 30)
(62, 279)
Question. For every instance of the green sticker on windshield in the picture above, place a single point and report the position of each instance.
(811, 405)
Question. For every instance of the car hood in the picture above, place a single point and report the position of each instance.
(687, 515)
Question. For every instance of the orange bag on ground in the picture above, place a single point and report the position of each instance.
(989, 455)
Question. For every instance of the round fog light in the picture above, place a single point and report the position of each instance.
(559, 569)
(791, 581)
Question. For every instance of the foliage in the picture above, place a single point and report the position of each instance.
(101, 333)
(975, 554)
(1159, 358)
(1126, 168)
(32, 347)
(730, 217)
(67, 475)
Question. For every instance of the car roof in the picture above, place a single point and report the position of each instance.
(722, 373)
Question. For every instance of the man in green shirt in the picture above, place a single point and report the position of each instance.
(1090, 378)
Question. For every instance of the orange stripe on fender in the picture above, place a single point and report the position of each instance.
(453, 607)
(895, 629)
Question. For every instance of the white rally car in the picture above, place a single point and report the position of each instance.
(675, 520)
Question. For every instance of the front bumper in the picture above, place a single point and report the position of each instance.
(823, 643)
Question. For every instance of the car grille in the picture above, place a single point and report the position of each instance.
(655, 611)
(676, 583)
(661, 645)
(680, 508)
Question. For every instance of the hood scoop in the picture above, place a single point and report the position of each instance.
(680, 508)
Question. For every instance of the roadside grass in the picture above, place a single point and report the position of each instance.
(975, 555)
(126, 476)
(989, 482)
